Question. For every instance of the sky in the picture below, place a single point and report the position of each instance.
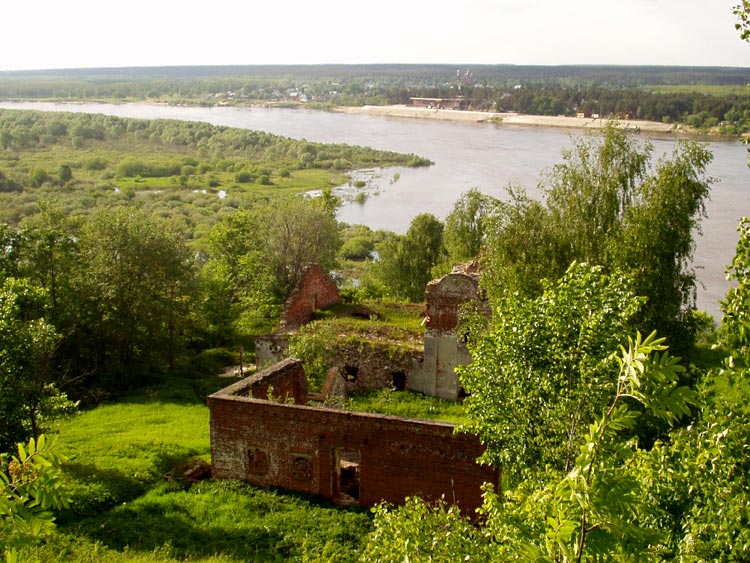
(52, 34)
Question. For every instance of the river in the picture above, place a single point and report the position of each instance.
(485, 156)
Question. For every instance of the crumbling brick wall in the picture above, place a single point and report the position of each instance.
(316, 290)
(284, 381)
(309, 449)
(444, 349)
(366, 366)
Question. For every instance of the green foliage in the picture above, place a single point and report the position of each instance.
(407, 404)
(735, 324)
(65, 174)
(31, 489)
(255, 259)
(423, 533)
(28, 396)
(465, 225)
(701, 478)
(742, 12)
(596, 509)
(357, 248)
(391, 331)
(605, 205)
(315, 348)
(545, 361)
(136, 288)
(406, 262)
(659, 229)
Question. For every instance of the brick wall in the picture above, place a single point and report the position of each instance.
(316, 290)
(284, 381)
(309, 449)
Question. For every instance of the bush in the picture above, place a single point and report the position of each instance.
(243, 177)
(357, 248)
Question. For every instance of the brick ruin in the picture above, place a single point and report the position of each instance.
(365, 368)
(348, 457)
(444, 348)
(315, 290)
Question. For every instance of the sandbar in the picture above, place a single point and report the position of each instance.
(403, 111)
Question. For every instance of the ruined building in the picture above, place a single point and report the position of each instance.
(348, 457)
(264, 431)
(444, 347)
(431, 372)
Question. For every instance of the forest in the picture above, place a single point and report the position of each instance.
(703, 98)
(140, 258)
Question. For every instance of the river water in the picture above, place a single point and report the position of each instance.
(485, 156)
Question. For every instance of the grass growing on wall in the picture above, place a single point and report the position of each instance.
(408, 404)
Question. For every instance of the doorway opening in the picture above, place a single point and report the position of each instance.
(347, 476)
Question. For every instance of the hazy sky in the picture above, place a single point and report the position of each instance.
(85, 33)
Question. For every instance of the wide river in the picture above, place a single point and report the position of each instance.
(485, 156)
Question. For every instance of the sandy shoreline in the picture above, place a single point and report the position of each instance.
(506, 118)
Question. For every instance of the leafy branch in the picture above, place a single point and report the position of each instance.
(594, 509)
(31, 489)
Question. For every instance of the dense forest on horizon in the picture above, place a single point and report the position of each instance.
(705, 98)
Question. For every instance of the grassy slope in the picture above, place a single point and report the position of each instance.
(123, 509)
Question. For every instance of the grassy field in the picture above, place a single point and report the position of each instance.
(123, 510)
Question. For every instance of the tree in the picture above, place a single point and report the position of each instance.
(465, 225)
(256, 258)
(406, 262)
(420, 532)
(65, 173)
(544, 362)
(299, 231)
(735, 324)
(604, 204)
(136, 280)
(28, 396)
(595, 510)
(657, 241)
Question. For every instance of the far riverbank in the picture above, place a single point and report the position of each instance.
(511, 118)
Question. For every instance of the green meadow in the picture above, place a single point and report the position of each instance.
(123, 508)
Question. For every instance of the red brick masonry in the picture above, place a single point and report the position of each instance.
(315, 290)
(359, 457)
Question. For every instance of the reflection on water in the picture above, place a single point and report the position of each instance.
(485, 156)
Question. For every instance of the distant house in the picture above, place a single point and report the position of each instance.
(458, 103)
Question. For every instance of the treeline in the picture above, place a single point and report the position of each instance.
(20, 130)
(623, 92)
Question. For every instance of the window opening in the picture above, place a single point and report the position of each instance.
(399, 380)
(351, 372)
